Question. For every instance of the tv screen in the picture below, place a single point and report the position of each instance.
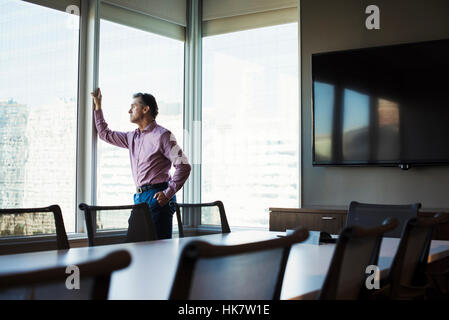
(382, 106)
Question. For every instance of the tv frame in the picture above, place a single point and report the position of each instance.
(405, 165)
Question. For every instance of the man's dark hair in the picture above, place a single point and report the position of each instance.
(148, 100)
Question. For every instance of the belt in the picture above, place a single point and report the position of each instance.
(163, 185)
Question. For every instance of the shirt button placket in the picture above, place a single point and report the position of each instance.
(139, 149)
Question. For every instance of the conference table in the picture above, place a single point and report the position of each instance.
(152, 269)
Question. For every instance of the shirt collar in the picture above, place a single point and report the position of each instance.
(149, 127)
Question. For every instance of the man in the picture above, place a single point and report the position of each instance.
(152, 150)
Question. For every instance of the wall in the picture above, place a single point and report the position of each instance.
(328, 25)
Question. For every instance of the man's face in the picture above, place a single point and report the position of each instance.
(136, 113)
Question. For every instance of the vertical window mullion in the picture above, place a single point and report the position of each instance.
(88, 81)
(192, 105)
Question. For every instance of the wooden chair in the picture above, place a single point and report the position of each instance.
(94, 279)
(407, 278)
(198, 207)
(140, 223)
(356, 249)
(371, 215)
(37, 225)
(240, 272)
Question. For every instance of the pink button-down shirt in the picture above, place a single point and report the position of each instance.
(151, 152)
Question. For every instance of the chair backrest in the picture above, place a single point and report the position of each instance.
(356, 249)
(371, 215)
(241, 272)
(34, 223)
(140, 223)
(94, 279)
(200, 207)
(409, 264)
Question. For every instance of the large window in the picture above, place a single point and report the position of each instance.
(250, 122)
(131, 61)
(38, 107)
(250, 112)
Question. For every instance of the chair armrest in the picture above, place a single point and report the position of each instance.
(439, 273)
(440, 280)
(409, 292)
(380, 294)
(406, 292)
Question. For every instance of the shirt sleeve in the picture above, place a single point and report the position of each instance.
(173, 152)
(119, 139)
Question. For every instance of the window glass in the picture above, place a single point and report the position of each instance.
(250, 123)
(132, 61)
(38, 107)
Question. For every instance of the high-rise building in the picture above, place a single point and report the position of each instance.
(13, 152)
(34, 157)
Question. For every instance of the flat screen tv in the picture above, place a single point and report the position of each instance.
(386, 106)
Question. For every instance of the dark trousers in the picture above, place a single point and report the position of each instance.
(162, 216)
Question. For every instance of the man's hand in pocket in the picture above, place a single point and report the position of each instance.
(161, 198)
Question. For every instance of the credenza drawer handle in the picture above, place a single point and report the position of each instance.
(327, 218)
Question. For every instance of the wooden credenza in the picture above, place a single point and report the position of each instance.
(329, 220)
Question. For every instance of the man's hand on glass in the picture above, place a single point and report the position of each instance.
(97, 98)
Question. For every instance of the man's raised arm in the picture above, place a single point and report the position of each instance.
(119, 139)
